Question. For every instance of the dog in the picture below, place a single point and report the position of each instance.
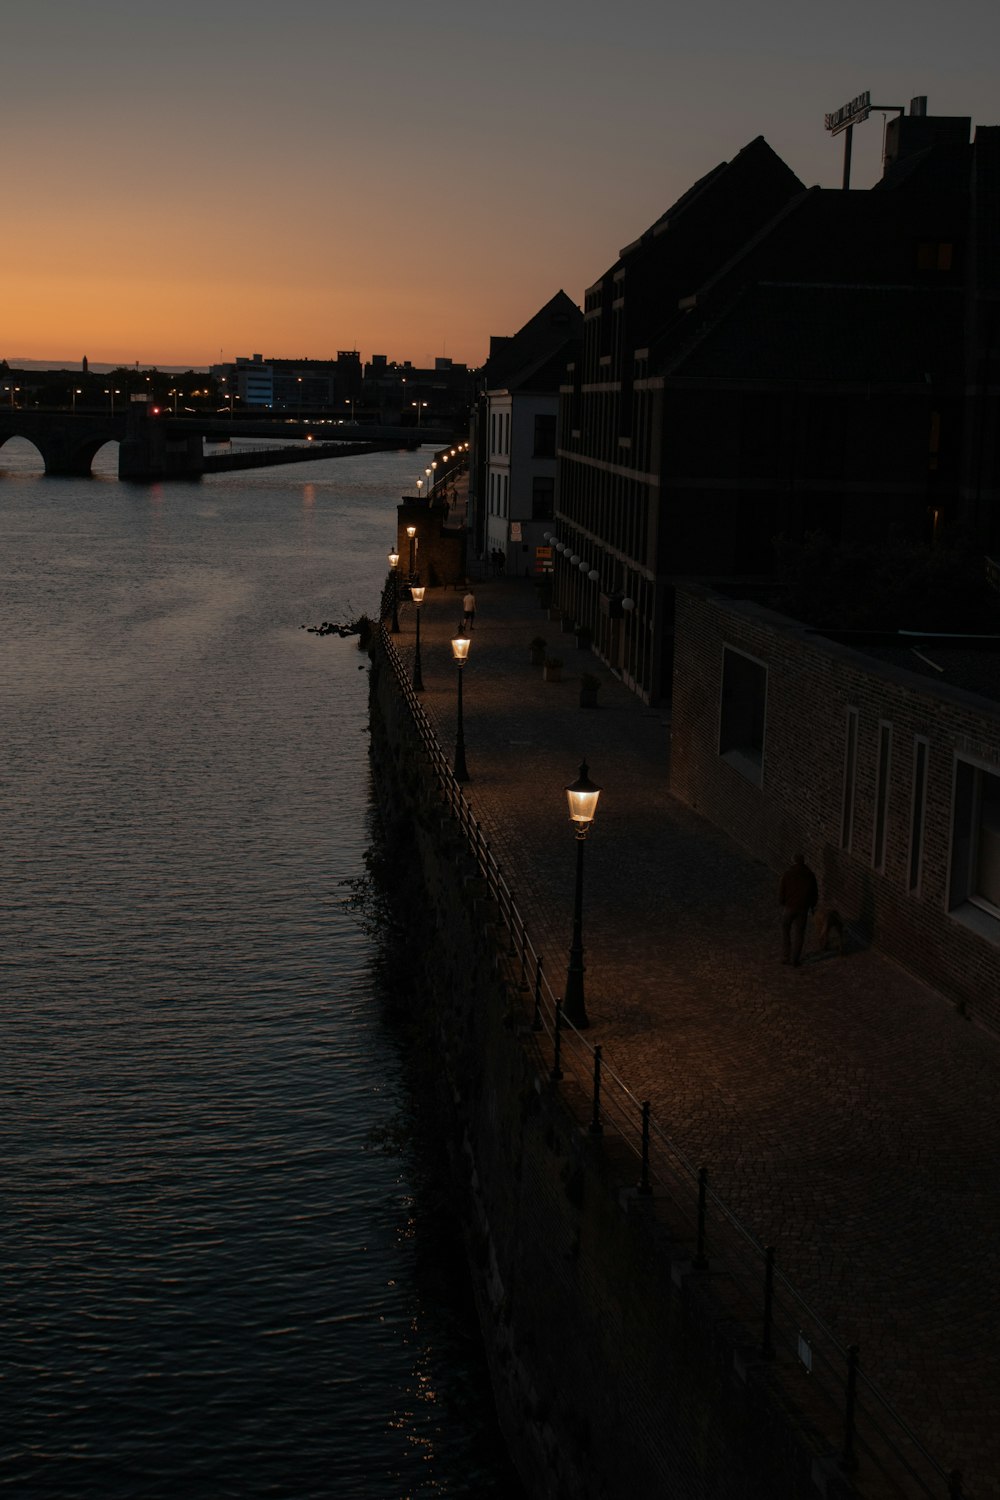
(830, 930)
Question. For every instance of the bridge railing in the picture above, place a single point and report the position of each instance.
(869, 1440)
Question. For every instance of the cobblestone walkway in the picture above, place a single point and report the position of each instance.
(846, 1113)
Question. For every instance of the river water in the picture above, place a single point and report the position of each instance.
(223, 1271)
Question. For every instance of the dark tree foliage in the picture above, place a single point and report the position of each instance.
(892, 584)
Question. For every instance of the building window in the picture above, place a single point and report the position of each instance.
(850, 777)
(545, 437)
(935, 255)
(743, 713)
(542, 497)
(918, 809)
(975, 839)
(881, 794)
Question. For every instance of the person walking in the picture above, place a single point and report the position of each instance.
(798, 895)
(468, 610)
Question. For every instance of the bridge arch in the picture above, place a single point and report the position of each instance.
(67, 441)
(17, 454)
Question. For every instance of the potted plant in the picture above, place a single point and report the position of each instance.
(538, 652)
(589, 685)
(552, 669)
(584, 636)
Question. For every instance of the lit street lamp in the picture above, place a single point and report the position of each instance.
(417, 595)
(460, 650)
(420, 406)
(582, 797)
(411, 532)
(75, 392)
(420, 489)
(394, 564)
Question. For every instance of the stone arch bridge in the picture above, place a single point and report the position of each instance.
(159, 446)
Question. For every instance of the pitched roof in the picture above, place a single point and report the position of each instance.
(526, 354)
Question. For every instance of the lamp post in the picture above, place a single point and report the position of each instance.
(411, 532)
(460, 651)
(582, 797)
(75, 392)
(420, 489)
(419, 405)
(417, 595)
(393, 565)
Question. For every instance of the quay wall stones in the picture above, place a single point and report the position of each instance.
(616, 1368)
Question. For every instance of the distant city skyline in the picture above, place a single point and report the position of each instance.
(195, 184)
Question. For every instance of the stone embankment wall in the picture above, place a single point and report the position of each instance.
(618, 1370)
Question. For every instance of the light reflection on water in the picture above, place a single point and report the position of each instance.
(211, 1282)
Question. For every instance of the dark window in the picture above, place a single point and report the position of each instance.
(918, 807)
(743, 712)
(975, 848)
(882, 795)
(545, 437)
(542, 498)
(850, 774)
(935, 255)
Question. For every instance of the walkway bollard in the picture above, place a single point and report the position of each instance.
(536, 1023)
(701, 1259)
(766, 1347)
(644, 1183)
(848, 1458)
(556, 1070)
(596, 1128)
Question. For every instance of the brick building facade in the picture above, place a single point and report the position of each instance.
(888, 779)
(773, 360)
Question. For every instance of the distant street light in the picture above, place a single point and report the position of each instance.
(460, 651)
(582, 797)
(417, 595)
(393, 565)
(73, 395)
(420, 489)
(420, 405)
(411, 532)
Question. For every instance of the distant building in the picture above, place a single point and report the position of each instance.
(772, 359)
(292, 385)
(512, 494)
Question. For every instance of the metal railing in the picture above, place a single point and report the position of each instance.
(869, 1439)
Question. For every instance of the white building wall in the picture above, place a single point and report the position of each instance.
(514, 465)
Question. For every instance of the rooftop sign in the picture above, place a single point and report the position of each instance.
(853, 113)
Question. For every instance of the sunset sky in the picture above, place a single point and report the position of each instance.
(200, 180)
